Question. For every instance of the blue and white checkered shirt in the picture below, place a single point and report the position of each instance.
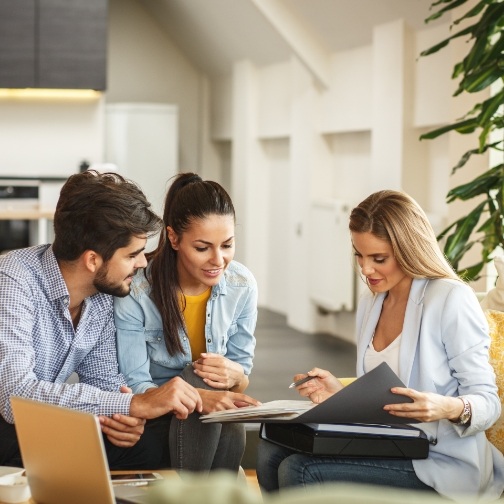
(39, 347)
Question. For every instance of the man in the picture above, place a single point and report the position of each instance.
(56, 318)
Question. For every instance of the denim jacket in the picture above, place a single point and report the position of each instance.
(231, 315)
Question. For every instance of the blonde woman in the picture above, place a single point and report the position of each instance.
(421, 319)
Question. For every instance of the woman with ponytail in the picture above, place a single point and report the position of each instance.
(192, 313)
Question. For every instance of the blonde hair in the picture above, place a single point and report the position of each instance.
(397, 218)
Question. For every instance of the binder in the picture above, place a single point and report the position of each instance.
(346, 443)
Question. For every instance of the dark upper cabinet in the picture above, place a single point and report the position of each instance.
(17, 43)
(65, 46)
(72, 44)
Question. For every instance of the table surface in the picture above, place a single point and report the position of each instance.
(164, 473)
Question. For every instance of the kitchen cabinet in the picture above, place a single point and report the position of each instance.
(53, 44)
(17, 43)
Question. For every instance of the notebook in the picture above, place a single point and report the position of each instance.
(64, 456)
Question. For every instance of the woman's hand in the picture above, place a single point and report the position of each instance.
(426, 406)
(216, 400)
(220, 372)
(320, 388)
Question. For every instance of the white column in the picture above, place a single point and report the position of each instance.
(301, 312)
(391, 58)
(249, 183)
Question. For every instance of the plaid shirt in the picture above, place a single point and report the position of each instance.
(39, 347)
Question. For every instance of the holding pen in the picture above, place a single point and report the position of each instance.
(325, 386)
(300, 382)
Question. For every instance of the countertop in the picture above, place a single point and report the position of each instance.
(26, 214)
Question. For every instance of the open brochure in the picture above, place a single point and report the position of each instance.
(273, 410)
(361, 401)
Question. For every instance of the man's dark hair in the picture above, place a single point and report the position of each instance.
(100, 212)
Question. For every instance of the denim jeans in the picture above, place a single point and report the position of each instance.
(279, 467)
(197, 446)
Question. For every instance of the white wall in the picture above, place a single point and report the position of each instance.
(357, 136)
(145, 66)
(272, 136)
(49, 136)
(52, 136)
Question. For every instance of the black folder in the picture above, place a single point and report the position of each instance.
(317, 441)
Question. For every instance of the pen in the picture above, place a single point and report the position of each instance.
(303, 380)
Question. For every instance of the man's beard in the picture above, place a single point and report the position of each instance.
(105, 286)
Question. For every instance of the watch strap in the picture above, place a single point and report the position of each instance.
(465, 416)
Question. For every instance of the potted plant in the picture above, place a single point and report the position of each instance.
(482, 67)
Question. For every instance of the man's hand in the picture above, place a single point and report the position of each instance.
(216, 400)
(122, 430)
(220, 372)
(175, 396)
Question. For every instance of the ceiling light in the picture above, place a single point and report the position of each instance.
(50, 94)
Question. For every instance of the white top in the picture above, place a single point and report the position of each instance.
(390, 355)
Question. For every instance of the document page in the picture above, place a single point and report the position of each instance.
(272, 410)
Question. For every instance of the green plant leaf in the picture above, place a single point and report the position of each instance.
(483, 136)
(466, 126)
(457, 242)
(490, 107)
(482, 184)
(472, 272)
(472, 12)
(482, 66)
(466, 156)
(475, 54)
(454, 4)
(478, 81)
(457, 69)
(440, 45)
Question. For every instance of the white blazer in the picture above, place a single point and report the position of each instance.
(444, 349)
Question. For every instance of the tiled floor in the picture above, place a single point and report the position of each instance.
(282, 352)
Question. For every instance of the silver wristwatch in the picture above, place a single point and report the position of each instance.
(465, 416)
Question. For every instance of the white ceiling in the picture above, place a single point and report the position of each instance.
(215, 33)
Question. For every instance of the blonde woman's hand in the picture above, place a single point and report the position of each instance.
(322, 386)
(219, 372)
(426, 406)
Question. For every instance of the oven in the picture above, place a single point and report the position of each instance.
(18, 198)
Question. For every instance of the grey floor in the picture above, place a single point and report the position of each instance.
(282, 352)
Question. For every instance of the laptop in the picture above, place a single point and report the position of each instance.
(64, 456)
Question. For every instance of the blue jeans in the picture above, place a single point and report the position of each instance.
(279, 467)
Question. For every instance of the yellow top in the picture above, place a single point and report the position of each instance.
(194, 317)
